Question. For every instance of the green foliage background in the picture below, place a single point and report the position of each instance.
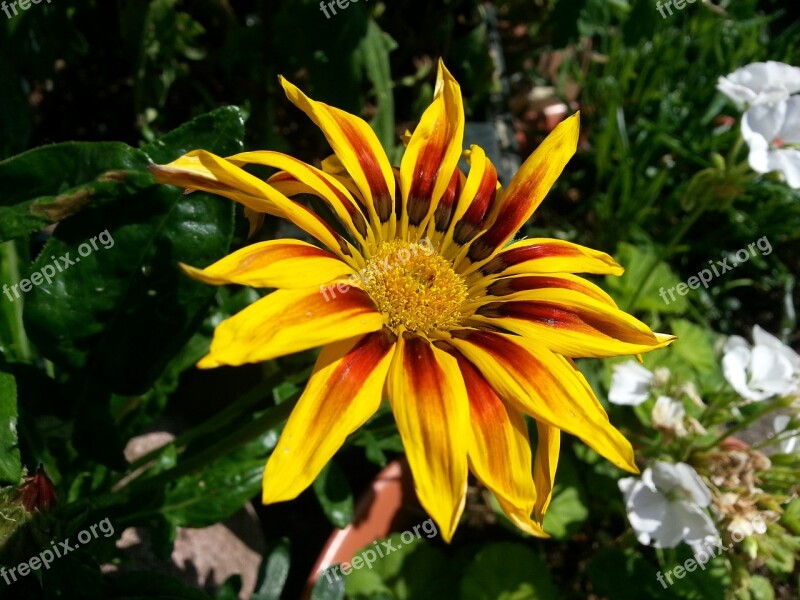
(92, 92)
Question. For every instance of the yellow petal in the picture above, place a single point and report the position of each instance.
(546, 255)
(432, 154)
(544, 385)
(430, 406)
(477, 196)
(315, 182)
(344, 391)
(499, 450)
(288, 264)
(544, 465)
(204, 171)
(357, 147)
(528, 188)
(289, 321)
(572, 321)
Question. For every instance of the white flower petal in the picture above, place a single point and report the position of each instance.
(697, 491)
(790, 132)
(770, 372)
(697, 525)
(763, 122)
(787, 161)
(735, 341)
(735, 364)
(671, 530)
(760, 82)
(669, 414)
(630, 384)
(647, 510)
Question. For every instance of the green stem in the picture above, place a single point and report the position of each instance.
(250, 399)
(731, 161)
(12, 310)
(768, 408)
(665, 252)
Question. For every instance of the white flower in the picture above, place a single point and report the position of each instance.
(760, 83)
(768, 368)
(788, 445)
(666, 506)
(668, 415)
(630, 384)
(770, 131)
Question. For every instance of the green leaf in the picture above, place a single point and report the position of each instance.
(611, 566)
(273, 572)
(48, 184)
(567, 511)
(373, 53)
(694, 346)
(10, 463)
(791, 516)
(507, 571)
(222, 128)
(638, 263)
(328, 588)
(412, 570)
(215, 493)
(334, 495)
(125, 309)
(756, 587)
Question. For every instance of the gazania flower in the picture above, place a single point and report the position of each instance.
(420, 296)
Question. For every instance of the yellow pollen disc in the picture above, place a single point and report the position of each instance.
(415, 287)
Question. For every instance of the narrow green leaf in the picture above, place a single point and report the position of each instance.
(10, 464)
(334, 495)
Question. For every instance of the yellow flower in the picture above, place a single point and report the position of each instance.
(422, 299)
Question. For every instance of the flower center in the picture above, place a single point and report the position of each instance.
(414, 287)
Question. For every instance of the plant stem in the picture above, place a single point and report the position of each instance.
(12, 312)
(250, 399)
(271, 418)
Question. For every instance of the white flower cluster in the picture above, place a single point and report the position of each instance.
(771, 122)
(671, 503)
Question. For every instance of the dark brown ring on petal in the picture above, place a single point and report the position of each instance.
(471, 223)
(381, 198)
(444, 211)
